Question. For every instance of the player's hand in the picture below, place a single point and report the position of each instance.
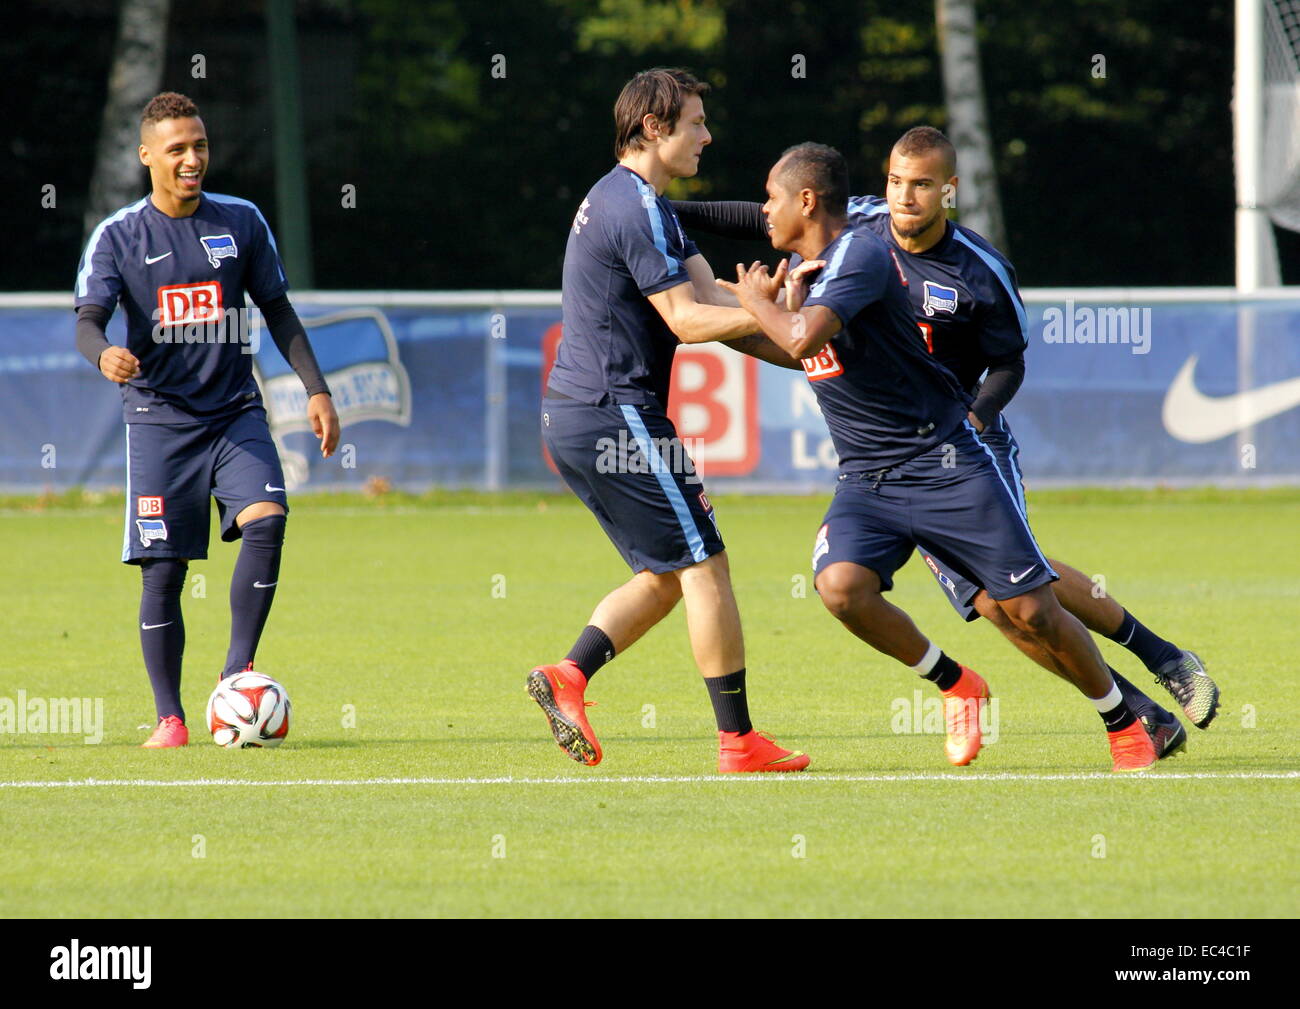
(975, 423)
(796, 285)
(117, 364)
(324, 422)
(755, 285)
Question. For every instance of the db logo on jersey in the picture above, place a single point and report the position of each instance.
(147, 507)
(185, 304)
(823, 364)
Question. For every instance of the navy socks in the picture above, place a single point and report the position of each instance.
(162, 631)
(1151, 648)
(252, 588)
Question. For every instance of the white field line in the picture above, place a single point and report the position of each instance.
(646, 780)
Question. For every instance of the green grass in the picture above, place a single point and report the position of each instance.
(425, 613)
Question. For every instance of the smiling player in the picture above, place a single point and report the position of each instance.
(180, 261)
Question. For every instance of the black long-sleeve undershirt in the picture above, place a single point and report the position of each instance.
(726, 218)
(92, 320)
(286, 330)
(291, 338)
(999, 385)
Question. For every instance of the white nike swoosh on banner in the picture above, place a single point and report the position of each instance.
(148, 261)
(150, 627)
(1189, 415)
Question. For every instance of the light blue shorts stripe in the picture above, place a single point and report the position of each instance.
(637, 426)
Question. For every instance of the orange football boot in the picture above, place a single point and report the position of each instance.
(170, 732)
(963, 703)
(756, 751)
(1132, 748)
(558, 690)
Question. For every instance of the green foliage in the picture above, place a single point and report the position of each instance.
(472, 177)
(637, 26)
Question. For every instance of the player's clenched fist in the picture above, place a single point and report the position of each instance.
(118, 364)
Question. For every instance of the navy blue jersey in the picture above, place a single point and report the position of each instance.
(963, 293)
(885, 399)
(182, 281)
(625, 244)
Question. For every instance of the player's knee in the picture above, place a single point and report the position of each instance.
(844, 593)
(267, 531)
(258, 510)
(164, 576)
(666, 589)
(987, 607)
(1034, 614)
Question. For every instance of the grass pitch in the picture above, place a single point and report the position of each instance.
(419, 779)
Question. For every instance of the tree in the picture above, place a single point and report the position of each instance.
(968, 130)
(134, 78)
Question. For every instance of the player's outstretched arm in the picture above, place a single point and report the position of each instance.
(694, 322)
(727, 218)
(759, 346)
(707, 292)
(291, 338)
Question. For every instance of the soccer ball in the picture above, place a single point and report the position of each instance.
(248, 709)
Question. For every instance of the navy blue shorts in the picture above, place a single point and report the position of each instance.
(958, 590)
(174, 471)
(952, 498)
(630, 469)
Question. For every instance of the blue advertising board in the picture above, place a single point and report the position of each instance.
(1190, 386)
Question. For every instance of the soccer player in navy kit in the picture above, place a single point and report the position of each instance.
(180, 261)
(634, 288)
(965, 300)
(911, 466)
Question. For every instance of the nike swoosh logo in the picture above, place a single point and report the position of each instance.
(273, 489)
(1191, 416)
(259, 585)
(150, 627)
(728, 691)
(149, 261)
(1015, 579)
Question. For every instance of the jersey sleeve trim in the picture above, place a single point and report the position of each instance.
(867, 206)
(648, 201)
(665, 284)
(1001, 273)
(270, 236)
(88, 257)
(832, 268)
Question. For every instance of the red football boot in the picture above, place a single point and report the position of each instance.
(558, 690)
(756, 751)
(170, 732)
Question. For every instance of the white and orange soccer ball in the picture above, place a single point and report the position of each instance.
(249, 709)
